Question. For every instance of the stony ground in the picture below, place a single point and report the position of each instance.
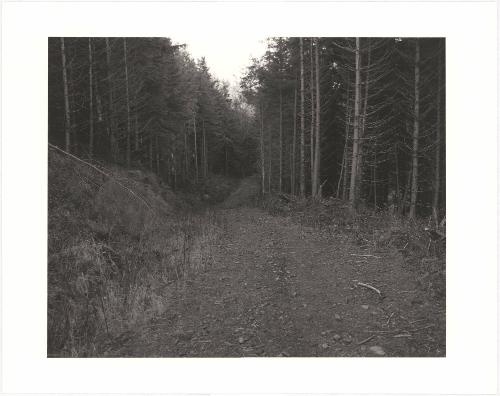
(277, 288)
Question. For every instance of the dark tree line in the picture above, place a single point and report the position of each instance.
(144, 102)
(361, 119)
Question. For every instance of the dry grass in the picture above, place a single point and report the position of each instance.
(113, 255)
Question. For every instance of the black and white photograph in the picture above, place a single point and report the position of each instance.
(296, 211)
(249, 197)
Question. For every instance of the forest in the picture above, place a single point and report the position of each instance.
(152, 158)
(360, 119)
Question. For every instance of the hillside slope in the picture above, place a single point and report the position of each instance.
(117, 239)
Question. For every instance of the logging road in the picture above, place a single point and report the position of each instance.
(281, 289)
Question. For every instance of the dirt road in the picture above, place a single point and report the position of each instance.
(280, 289)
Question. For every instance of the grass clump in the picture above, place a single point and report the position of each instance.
(116, 243)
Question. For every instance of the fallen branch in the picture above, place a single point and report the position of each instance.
(402, 335)
(370, 287)
(365, 255)
(382, 331)
(388, 320)
(422, 328)
(75, 158)
(366, 340)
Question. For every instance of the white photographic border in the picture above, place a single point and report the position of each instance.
(470, 365)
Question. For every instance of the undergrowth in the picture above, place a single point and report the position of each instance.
(376, 231)
(116, 243)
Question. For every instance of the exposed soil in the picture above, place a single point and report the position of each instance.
(277, 288)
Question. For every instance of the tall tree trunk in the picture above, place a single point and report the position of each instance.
(343, 170)
(157, 155)
(225, 156)
(136, 121)
(270, 162)
(280, 185)
(355, 145)
(414, 154)
(317, 155)
(98, 100)
(195, 149)
(186, 154)
(111, 126)
(91, 103)
(151, 151)
(67, 119)
(375, 178)
(294, 142)
(262, 164)
(72, 92)
(437, 160)
(362, 122)
(127, 101)
(311, 137)
(302, 180)
(136, 129)
(174, 170)
(204, 150)
(406, 192)
(398, 192)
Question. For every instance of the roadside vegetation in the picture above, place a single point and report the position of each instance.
(116, 243)
(421, 241)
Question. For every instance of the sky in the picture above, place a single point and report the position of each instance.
(227, 56)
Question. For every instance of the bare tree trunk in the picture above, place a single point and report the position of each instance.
(204, 150)
(262, 164)
(281, 144)
(270, 162)
(414, 154)
(136, 122)
(341, 176)
(111, 126)
(98, 100)
(67, 119)
(91, 103)
(174, 169)
(186, 155)
(136, 129)
(375, 178)
(343, 170)
(317, 155)
(225, 154)
(406, 191)
(195, 149)
(127, 101)
(355, 146)
(302, 123)
(157, 155)
(363, 124)
(437, 166)
(311, 137)
(151, 152)
(294, 142)
(398, 193)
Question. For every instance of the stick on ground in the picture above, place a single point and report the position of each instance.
(366, 340)
(370, 287)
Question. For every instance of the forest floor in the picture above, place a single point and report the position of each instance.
(279, 288)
